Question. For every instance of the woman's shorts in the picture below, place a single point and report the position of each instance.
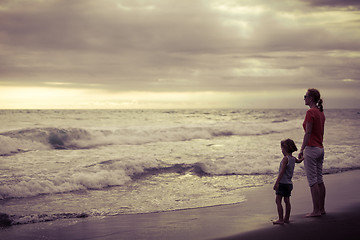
(284, 190)
(313, 162)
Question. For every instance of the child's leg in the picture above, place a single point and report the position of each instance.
(287, 209)
(280, 210)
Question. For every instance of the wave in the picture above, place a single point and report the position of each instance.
(104, 174)
(8, 220)
(97, 176)
(41, 139)
(77, 138)
(118, 172)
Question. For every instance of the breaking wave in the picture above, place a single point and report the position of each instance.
(8, 220)
(97, 176)
(94, 177)
(77, 138)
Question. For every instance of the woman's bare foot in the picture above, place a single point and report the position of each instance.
(313, 214)
(278, 222)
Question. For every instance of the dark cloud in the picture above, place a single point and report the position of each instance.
(105, 26)
(334, 3)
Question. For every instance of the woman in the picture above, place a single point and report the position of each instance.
(312, 150)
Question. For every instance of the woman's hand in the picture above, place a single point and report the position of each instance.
(301, 155)
(276, 186)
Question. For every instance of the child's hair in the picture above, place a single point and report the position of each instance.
(289, 145)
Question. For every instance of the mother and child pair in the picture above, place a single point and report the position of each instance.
(283, 185)
(312, 153)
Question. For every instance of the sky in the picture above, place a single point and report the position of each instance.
(115, 54)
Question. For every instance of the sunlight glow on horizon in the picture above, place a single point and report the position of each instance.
(62, 98)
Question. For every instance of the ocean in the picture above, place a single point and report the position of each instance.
(64, 164)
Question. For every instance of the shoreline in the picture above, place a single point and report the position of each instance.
(246, 220)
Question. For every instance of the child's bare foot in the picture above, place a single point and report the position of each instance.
(278, 222)
(313, 214)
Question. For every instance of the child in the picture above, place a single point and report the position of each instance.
(283, 184)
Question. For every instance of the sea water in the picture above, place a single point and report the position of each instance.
(58, 164)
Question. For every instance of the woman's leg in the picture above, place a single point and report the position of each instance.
(311, 156)
(322, 192)
(315, 194)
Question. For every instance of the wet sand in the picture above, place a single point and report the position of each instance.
(247, 220)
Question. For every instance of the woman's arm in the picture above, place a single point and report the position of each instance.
(281, 173)
(306, 139)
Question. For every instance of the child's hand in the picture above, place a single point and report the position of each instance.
(276, 186)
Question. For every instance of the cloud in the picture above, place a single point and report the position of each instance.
(179, 46)
(351, 4)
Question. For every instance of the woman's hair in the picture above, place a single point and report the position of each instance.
(289, 145)
(315, 94)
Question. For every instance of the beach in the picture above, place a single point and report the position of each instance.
(250, 219)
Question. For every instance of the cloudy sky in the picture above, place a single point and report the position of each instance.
(178, 54)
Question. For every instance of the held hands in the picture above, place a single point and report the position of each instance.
(299, 160)
(300, 156)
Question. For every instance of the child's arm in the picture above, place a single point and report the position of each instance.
(281, 173)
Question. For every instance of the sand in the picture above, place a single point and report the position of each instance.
(247, 220)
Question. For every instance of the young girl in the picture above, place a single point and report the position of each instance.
(283, 184)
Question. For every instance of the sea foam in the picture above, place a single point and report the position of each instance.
(97, 176)
(77, 138)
